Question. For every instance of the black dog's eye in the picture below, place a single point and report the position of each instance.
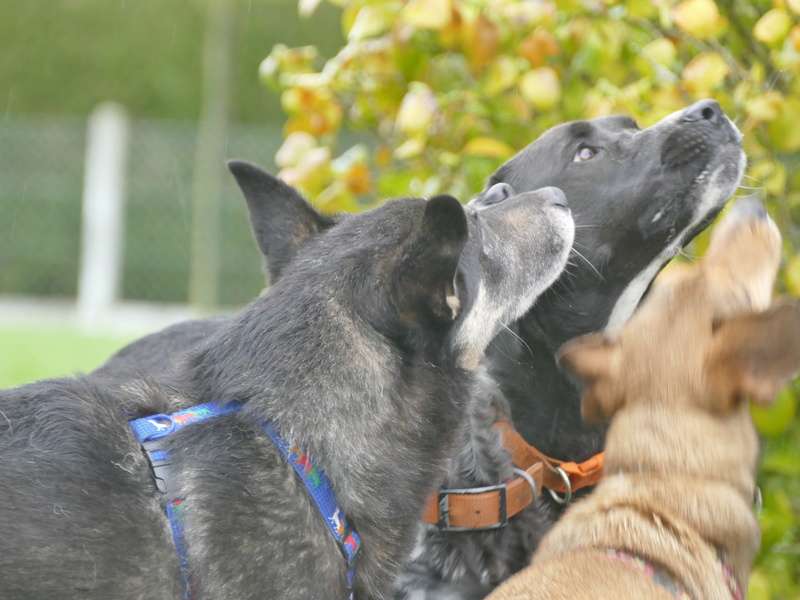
(584, 153)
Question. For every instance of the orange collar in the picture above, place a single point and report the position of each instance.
(491, 507)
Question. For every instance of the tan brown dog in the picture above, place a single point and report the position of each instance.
(674, 518)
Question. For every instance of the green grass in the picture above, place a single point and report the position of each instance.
(27, 355)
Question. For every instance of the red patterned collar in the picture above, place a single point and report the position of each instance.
(664, 578)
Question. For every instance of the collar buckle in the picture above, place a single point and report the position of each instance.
(445, 508)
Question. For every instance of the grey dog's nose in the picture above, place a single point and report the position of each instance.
(497, 193)
(704, 110)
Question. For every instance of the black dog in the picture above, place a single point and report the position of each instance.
(360, 354)
(638, 196)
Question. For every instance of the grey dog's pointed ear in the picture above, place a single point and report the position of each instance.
(754, 356)
(424, 289)
(281, 219)
(594, 360)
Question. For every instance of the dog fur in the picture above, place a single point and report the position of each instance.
(681, 451)
(639, 198)
(361, 353)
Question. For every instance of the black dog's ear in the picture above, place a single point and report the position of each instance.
(424, 289)
(282, 220)
(754, 356)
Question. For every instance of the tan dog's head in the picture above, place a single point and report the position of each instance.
(705, 339)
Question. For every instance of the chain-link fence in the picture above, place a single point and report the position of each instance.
(41, 183)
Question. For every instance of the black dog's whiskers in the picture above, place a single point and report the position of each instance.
(588, 226)
(517, 337)
(588, 262)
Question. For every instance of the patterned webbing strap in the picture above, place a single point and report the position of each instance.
(150, 432)
(663, 578)
(321, 491)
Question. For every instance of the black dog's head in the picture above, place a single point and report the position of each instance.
(638, 196)
(415, 263)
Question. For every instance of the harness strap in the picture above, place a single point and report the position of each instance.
(321, 491)
(151, 430)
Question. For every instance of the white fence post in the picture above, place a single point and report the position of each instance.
(102, 228)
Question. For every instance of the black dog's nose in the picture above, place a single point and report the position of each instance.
(556, 196)
(704, 110)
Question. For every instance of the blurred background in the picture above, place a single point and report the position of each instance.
(117, 215)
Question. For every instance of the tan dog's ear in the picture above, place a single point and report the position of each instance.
(595, 361)
(754, 355)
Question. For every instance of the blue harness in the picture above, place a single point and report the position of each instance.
(150, 432)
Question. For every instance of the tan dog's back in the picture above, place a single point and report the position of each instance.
(673, 515)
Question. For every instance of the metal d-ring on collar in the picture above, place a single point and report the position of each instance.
(526, 476)
(565, 499)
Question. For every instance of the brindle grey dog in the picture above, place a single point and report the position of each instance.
(361, 353)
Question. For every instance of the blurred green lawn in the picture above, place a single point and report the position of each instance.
(28, 354)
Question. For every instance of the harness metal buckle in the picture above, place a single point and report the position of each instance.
(444, 507)
(159, 462)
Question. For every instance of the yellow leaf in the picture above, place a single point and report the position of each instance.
(662, 51)
(698, 18)
(772, 28)
(427, 14)
(502, 75)
(784, 132)
(293, 148)
(411, 148)
(704, 72)
(538, 46)
(795, 35)
(369, 22)
(485, 146)
(306, 8)
(541, 87)
(481, 41)
(766, 106)
(417, 110)
(312, 172)
(358, 178)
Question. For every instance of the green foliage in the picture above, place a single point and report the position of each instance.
(66, 56)
(445, 90)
